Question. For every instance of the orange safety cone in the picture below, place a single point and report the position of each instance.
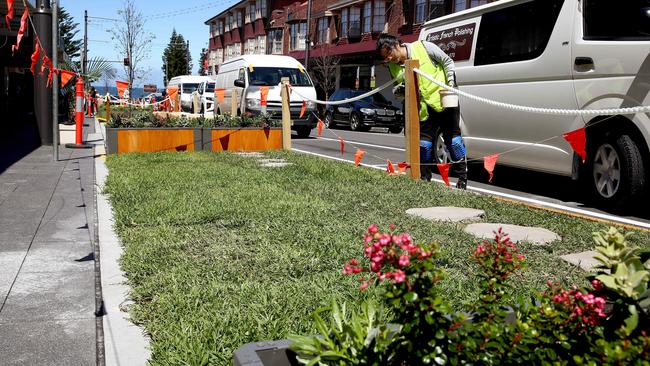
(79, 117)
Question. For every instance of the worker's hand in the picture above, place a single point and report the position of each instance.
(399, 91)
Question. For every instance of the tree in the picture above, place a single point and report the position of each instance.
(133, 41)
(176, 59)
(324, 68)
(68, 30)
(203, 62)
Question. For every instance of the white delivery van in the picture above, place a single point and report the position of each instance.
(569, 54)
(246, 74)
(206, 90)
(188, 84)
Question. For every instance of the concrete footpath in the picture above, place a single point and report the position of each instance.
(51, 308)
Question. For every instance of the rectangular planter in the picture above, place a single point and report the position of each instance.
(242, 139)
(125, 140)
(269, 353)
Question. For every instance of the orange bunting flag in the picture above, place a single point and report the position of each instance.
(319, 127)
(10, 13)
(358, 156)
(342, 145)
(121, 87)
(45, 63)
(264, 92)
(444, 172)
(66, 76)
(35, 56)
(390, 169)
(49, 77)
(488, 163)
(21, 31)
(220, 94)
(401, 167)
(578, 141)
(303, 108)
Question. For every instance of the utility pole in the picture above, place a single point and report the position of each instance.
(187, 56)
(85, 56)
(55, 79)
(42, 18)
(307, 36)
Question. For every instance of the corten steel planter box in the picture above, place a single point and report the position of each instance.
(269, 353)
(242, 139)
(124, 140)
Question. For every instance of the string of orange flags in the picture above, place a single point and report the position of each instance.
(576, 138)
(39, 53)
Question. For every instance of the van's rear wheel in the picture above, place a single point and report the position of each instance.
(303, 131)
(615, 171)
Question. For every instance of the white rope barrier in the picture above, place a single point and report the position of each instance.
(521, 108)
(344, 101)
(116, 100)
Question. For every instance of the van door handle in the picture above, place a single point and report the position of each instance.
(585, 63)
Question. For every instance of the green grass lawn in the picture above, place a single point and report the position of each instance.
(221, 252)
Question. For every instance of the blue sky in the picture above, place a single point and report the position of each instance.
(162, 16)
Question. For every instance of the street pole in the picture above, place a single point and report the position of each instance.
(42, 17)
(307, 37)
(55, 79)
(187, 56)
(85, 56)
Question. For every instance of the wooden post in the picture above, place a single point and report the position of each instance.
(233, 103)
(286, 115)
(412, 119)
(108, 109)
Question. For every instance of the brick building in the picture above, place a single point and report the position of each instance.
(345, 30)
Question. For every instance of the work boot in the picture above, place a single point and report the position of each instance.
(425, 173)
(460, 168)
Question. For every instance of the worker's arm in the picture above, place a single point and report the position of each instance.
(439, 56)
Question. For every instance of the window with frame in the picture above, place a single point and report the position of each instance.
(298, 36)
(239, 18)
(261, 9)
(466, 4)
(625, 21)
(420, 11)
(436, 9)
(250, 13)
(367, 16)
(220, 27)
(344, 23)
(379, 16)
(321, 30)
(275, 38)
(355, 22)
(516, 33)
(228, 23)
(261, 44)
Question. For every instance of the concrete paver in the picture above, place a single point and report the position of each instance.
(584, 260)
(449, 214)
(534, 235)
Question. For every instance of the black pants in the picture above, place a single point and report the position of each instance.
(449, 122)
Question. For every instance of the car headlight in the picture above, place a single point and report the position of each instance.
(253, 103)
(311, 105)
(367, 111)
(399, 113)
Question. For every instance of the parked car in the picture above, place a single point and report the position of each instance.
(361, 115)
(569, 54)
(246, 74)
(188, 84)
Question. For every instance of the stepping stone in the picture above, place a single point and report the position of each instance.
(584, 260)
(450, 214)
(276, 165)
(533, 235)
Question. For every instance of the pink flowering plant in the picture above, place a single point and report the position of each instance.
(604, 322)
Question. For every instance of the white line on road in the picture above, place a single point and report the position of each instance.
(365, 144)
(573, 210)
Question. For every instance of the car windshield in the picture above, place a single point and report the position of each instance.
(375, 98)
(190, 88)
(209, 88)
(273, 75)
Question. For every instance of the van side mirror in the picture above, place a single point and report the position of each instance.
(240, 83)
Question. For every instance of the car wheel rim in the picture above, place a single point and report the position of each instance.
(355, 122)
(607, 171)
(442, 154)
(327, 121)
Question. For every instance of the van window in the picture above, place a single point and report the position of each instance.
(209, 88)
(274, 75)
(190, 88)
(623, 21)
(516, 33)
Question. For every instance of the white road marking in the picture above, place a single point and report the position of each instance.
(365, 144)
(574, 210)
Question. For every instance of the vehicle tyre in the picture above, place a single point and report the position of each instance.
(355, 122)
(440, 152)
(395, 129)
(303, 131)
(615, 171)
(329, 121)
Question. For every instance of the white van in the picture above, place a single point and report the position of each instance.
(206, 90)
(188, 84)
(247, 73)
(569, 54)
